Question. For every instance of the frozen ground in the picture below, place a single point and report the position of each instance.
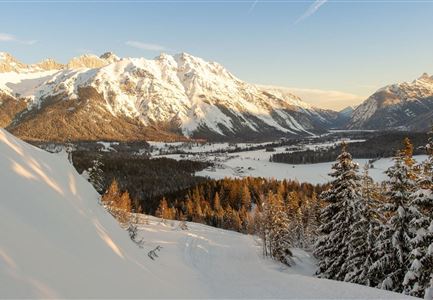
(159, 148)
(56, 241)
(256, 164)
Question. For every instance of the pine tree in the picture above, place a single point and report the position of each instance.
(418, 279)
(393, 245)
(332, 247)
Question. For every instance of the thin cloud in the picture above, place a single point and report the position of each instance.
(5, 37)
(312, 9)
(329, 99)
(146, 46)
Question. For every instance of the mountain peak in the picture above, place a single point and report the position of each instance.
(89, 61)
(8, 63)
(3, 56)
(49, 64)
(110, 57)
(400, 105)
(198, 98)
(425, 77)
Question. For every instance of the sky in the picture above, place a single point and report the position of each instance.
(331, 53)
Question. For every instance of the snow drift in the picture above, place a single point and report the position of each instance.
(56, 241)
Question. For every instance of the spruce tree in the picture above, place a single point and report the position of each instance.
(332, 247)
(364, 228)
(393, 245)
(418, 279)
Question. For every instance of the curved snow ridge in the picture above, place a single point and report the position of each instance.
(56, 241)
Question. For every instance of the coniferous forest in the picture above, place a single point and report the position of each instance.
(361, 231)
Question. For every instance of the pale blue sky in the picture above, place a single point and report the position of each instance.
(353, 47)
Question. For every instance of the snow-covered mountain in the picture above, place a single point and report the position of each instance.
(407, 105)
(56, 241)
(140, 98)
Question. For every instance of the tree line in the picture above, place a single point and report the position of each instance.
(375, 147)
(146, 180)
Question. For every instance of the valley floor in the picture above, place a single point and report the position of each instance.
(257, 164)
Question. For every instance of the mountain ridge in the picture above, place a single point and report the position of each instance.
(401, 106)
(178, 94)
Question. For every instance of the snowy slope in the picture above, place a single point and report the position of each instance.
(201, 98)
(57, 242)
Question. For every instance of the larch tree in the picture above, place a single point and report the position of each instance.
(246, 197)
(111, 194)
(218, 210)
(163, 210)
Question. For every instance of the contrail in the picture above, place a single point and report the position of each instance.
(253, 6)
(311, 10)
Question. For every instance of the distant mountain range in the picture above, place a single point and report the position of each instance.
(401, 106)
(169, 97)
(179, 97)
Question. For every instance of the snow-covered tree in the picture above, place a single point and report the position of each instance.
(333, 246)
(393, 245)
(279, 231)
(364, 232)
(69, 148)
(419, 277)
(96, 174)
(273, 226)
